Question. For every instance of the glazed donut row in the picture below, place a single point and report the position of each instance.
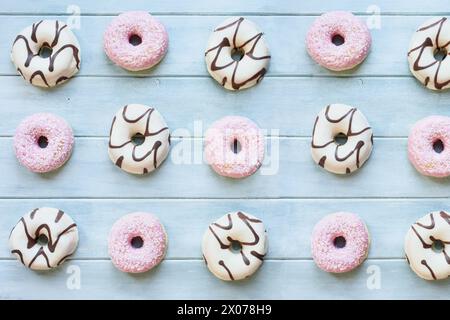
(139, 142)
(237, 55)
(234, 246)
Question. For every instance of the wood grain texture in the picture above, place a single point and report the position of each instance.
(256, 7)
(392, 105)
(387, 192)
(191, 280)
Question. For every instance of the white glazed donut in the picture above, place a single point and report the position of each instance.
(242, 35)
(338, 119)
(234, 228)
(59, 229)
(432, 36)
(146, 121)
(60, 66)
(420, 239)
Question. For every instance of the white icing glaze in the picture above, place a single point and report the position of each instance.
(432, 35)
(341, 159)
(61, 65)
(423, 260)
(237, 33)
(58, 227)
(138, 119)
(221, 260)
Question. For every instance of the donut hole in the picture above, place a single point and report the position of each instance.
(138, 139)
(135, 40)
(438, 146)
(236, 146)
(440, 54)
(438, 246)
(339, 242)
(237, 54)
(340, 138)
(42, 142)
(45, 51)
(338, 40)
(137, 242)
(42, 240)
(235, 246)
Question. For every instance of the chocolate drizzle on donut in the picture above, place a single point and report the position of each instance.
(32, 239)
(322, 161)
(57, 33)
(225, 43)
(34, 30)
(40, 74)
(33, 213)
(438, 220)
(147, 133)
(19, 253)
(228, 227)
(349, 133)
(222, 263)
(424, 262)
(59, 27)
(226, 245)
(445, 216)
(428, 43)
(432, 223)
(424, 244)
(257, 255)
(63, 259)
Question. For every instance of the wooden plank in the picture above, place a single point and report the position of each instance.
(257, 7)
(287, 104)
(275, 280)
(91, 174)
(189, 35)
(289, 222)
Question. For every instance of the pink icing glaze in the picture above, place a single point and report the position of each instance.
(420, 146)
(337, 260)
(60, 142)
(219, 141)
(153, 34)
(135, 260)
(346, 56)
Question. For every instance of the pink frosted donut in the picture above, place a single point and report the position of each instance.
(343, 26)
(43, 142)
(429, 146)
(222, 141)
(340, 242)
(137, 242)
(135, 40)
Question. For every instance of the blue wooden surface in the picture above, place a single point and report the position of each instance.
(387, 193)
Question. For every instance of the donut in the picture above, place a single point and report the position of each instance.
(340, 242)
(427, 246)
(137, 242)
(43, 142)
(334, 121)
(221, 140)
(429, 146)
(430, 38)
(234, 246)
(50, 225)
(353, 34)
(56, 37)
(138, 120)
(150, 36)
(241, 37)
